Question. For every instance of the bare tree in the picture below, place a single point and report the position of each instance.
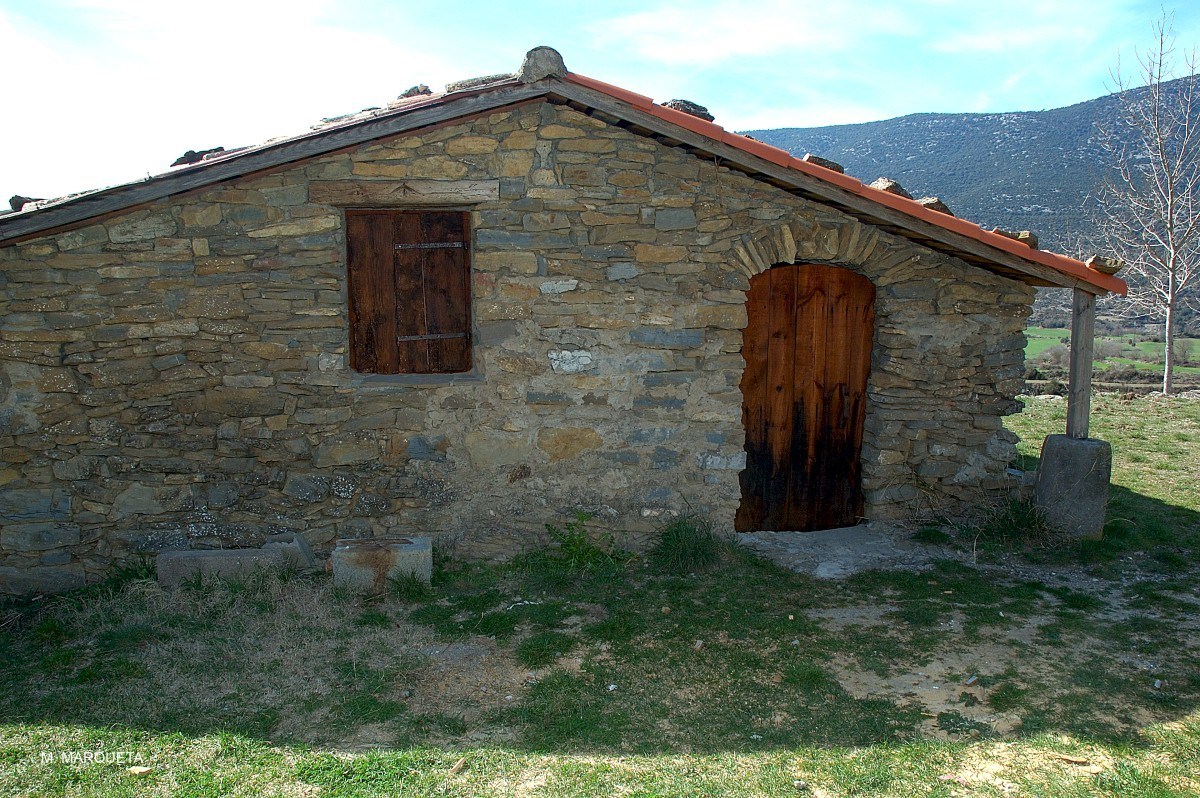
(1148, 211)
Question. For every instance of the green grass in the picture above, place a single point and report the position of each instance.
(543, 648)
(1154, 506)
(581, 671)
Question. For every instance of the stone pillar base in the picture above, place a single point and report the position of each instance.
(1072, 486)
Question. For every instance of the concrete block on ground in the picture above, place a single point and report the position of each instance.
(294, 548)
(365, 566)
(176, 567)
(1072, 486)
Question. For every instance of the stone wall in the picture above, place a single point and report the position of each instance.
(176, 376)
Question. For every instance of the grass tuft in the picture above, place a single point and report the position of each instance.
(1017, 524)
(408, 588)
(543, 648)
(686, 544)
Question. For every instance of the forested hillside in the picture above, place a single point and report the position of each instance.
(1020, 171)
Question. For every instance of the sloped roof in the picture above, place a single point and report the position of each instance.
(636, 112)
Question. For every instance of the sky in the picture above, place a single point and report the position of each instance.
(100, 92)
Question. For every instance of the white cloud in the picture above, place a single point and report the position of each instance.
(705, 33)
(147, 80)
(810, 113)
(1045, 37)
(815, 62)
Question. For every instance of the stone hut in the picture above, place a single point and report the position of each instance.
(472, 313)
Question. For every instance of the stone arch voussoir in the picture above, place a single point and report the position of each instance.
(846, 243)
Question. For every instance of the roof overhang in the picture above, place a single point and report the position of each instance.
(639, 114)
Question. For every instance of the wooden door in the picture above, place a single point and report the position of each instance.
(807, 347)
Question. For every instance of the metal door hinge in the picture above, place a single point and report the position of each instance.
(441, 245)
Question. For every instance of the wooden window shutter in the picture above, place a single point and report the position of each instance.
(371, 290)
(409, 286)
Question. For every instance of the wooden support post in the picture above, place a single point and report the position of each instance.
(1083, 337)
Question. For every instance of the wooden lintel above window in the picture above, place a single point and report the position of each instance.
(402, 193)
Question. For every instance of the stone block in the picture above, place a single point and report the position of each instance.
(488, 449)
(566, 442)
(1072, 486)
(725, 317)
(666, 339)
(722, 462)
(41, 579)
(345, 451)
(221, 494)
(244, 402)
(34, 504)
(207, 215)
(297, 554)
(422, 447)
(606, 252)
(365, 566)
(87, 236)
(622, 271)
(674, 219)
(548, 398)
(558, 286)
(570, 361)
(655, 253)
(658, 403)
(142, 228)
(545, 220)
(622, 234)
(39, 536)
(559, 132)
(470, 145)
(650, 435)
(667, 379)
(298, 227)
(139, 499)
(306, 487)
(56, 557)
(495, 332)
(664, 458)
(504, 240)
(371, 504)
(176, 567)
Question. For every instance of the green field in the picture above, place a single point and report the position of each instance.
(1039, 339)
(1127, 351)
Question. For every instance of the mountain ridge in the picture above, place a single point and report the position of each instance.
(1018, 170)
